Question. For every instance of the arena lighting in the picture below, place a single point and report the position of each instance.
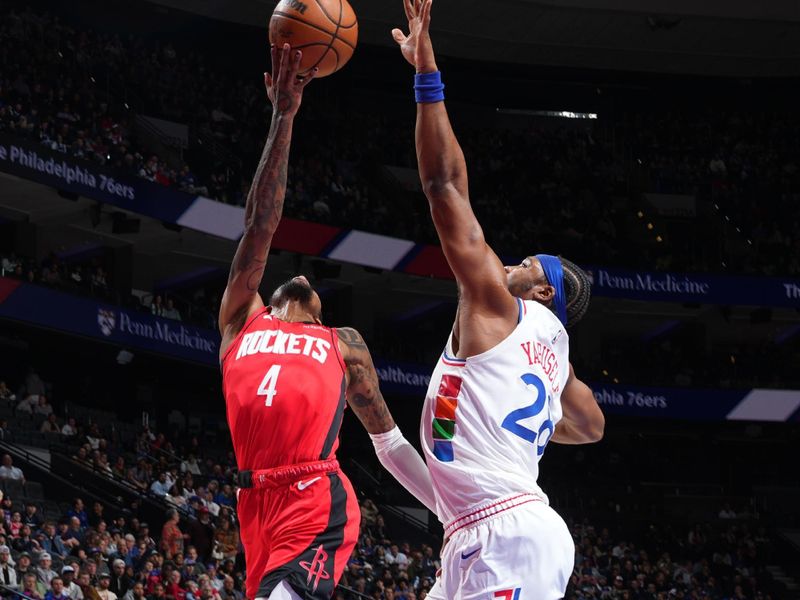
(558, 114)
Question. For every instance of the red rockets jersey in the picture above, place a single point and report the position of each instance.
(284, 386)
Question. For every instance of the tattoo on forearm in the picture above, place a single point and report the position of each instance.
(264, 205)
(364, 391)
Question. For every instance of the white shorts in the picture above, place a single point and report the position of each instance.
(515, 548)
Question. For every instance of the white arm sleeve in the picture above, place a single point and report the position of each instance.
(405, 464)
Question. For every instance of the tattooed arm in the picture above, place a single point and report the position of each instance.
(363, 390)
(265, 201)
(365, 398)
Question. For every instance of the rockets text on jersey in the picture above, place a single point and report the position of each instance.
(284, 387)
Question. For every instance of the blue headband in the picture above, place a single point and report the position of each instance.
(554, 272)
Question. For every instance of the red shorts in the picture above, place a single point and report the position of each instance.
(298, 524)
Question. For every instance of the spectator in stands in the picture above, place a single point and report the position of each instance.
(201, 533)
(100, 463)
(157, 593)
(32, 587)
(120, 582)
(9, 471)
(8, 575)
(24, 565)
(173, 587)
(94, 437)
(70, 428)
(15, 527)
(136, 592)
(103, 583)
(87, 589)
(43, 407)
(228, 591)
(727, 512)
(225, 497)
(209, 503)
(227, 538)
(82, 455)
(157, 306)
(192, 590)
(90, 567)
(171, 536)
(5, 433)
(72, 535)
(170, 312)
(120, 470)
(44, 572)
(56, 590)
(78, 511)
(27, 404)
(144, 535)
(50, 425)
(139, 475)
(31, 516)
(71, 588)
(97, 515)
(190, 465)
(160, 487)
(6, 508)
(5, 394)
(51, 542)
(369, 511)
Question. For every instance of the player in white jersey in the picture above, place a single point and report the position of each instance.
(503, 387)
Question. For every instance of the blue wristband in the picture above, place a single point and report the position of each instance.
(428, 87)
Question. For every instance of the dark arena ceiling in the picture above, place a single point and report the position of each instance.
(736, 38)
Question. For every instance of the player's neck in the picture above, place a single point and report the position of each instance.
(294, 312)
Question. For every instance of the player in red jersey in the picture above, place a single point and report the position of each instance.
(286, 378)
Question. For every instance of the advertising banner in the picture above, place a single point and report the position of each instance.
(699, 404)
(44, 307)
(134, 330)
(694, 288)
(62, 171)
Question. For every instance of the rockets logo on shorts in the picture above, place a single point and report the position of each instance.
(508, 594)
(316, 568)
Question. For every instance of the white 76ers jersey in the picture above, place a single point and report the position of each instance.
(487, 419)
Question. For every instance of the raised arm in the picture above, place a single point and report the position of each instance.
(443, 173)
(583, 421)
(365, 398)
(264, 205)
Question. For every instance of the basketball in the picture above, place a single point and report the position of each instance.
(325, 30)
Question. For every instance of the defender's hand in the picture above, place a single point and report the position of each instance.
(416, 47)
(285, 88)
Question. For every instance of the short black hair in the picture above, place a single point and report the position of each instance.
(578, 289)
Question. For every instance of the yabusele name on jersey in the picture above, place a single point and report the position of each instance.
(275, 341)
(537, 353)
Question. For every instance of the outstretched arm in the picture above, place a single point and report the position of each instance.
(583, 421)
(365, 398)
(443, 173)
(264, 205)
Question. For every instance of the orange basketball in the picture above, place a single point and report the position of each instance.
(325, 30)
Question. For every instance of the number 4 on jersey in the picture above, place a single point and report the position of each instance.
(267, 387)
